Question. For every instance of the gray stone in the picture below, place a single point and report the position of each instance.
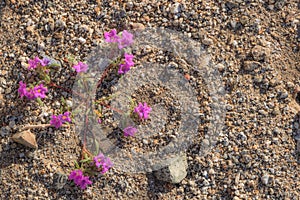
(176, 8)
(265, 179)
(276, 131)
(145, 141)
(12, 124)
(283, 95)
(69, 103)
(82, 40)
(5, 131)
(297, 137)
(174, 170)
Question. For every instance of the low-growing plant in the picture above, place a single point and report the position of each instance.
(89, 165)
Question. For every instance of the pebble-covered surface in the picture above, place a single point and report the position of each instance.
(254, 44)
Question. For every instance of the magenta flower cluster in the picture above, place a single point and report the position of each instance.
(129, 131)
(81, 67)
(34, 63)
(143, 110)
(79, 179)
(128, 62)
(57, 121)
(103, 162)
(125, 40)
(38, 91)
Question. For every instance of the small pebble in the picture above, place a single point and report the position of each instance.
(82, 40)
(265, 179)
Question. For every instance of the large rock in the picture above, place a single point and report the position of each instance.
(26, 138)
(175, 169)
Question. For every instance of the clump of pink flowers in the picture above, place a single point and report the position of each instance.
(90, 166)
(124, 39)
(38, 91)
(111, 36)
(79, 179)
(128, 62)
(142, 110)
(80, 67)
(57, 121)
(34, 63)
(102, 162)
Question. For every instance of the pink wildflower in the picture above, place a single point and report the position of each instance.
(143, 110)
(81, 67)
(126, 40)
(104, 162)
(111, 36)
(129, 131)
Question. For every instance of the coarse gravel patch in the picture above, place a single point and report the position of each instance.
(254, 45)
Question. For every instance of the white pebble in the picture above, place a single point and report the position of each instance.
(82, 40)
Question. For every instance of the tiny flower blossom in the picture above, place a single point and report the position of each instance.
(99, 121)
(98, 160)
(129, 131)
(33, 63)
(104, 162)
(111, 36)
(79, 179)
(125, 67)
(65, 117)
(30, 94)
(126, 40)
(75, 174)
(81, 67)
(45, 62)
(56, 121)
(129, 59)
(143, 110)
(39, 91)
(83, 182)
(106, 166)
(22, 89)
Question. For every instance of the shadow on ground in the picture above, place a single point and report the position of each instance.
(296, 134)
(156, 186)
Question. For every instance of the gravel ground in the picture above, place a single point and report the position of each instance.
(253, 43)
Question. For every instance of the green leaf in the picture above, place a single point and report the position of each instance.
(54, 65)
(47, 78)
(97, 146)
(39, 101)
(132, 104)
(85, 160)
(76, 164)
(63, 100)
(71, 59)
